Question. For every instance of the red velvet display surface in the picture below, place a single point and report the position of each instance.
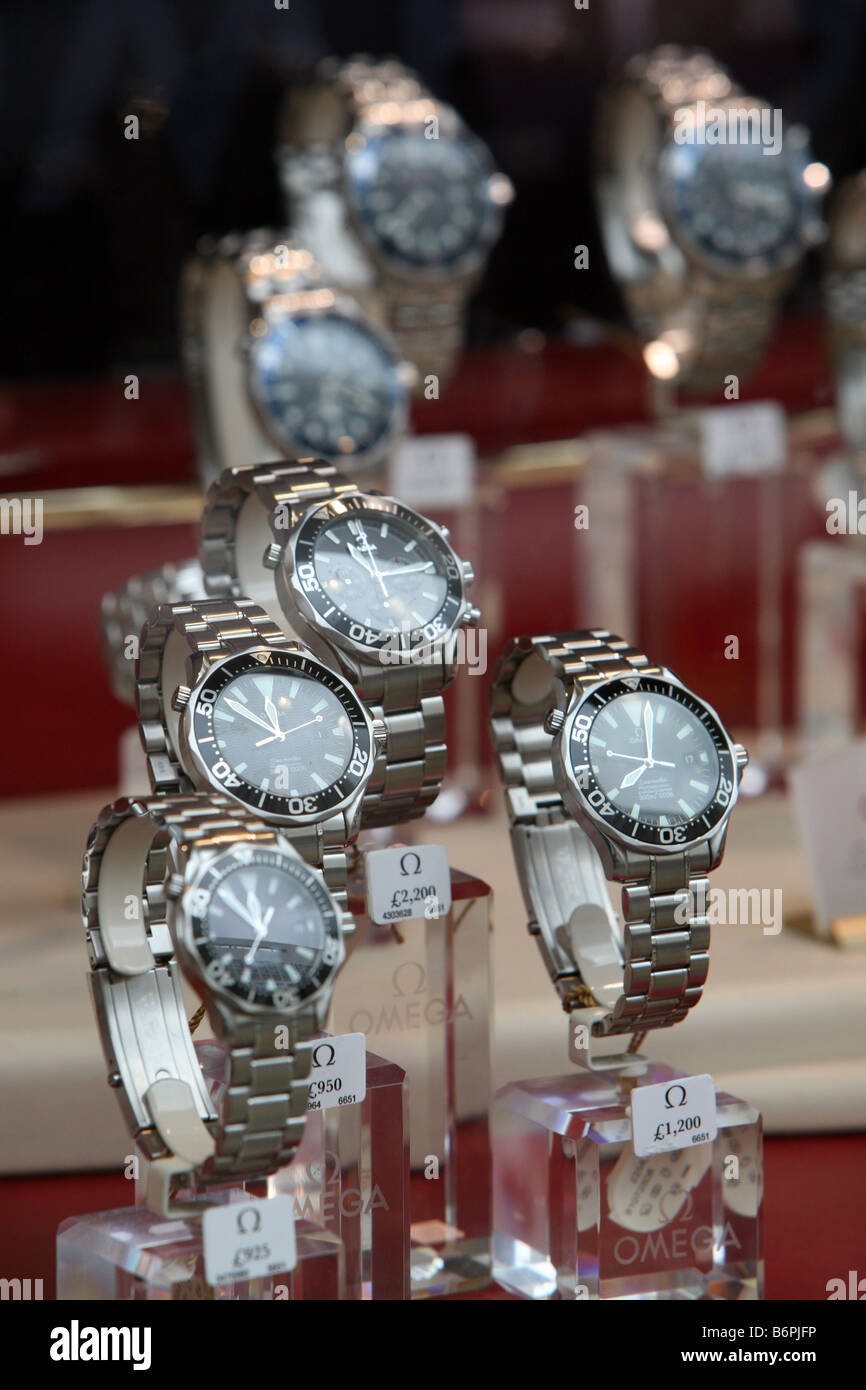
(814, 1216)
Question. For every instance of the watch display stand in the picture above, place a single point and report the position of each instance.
(349, 1181)
(831, 582)
(577, 1215)
(420, 990)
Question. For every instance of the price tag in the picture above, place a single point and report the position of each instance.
(673, 1115)
(738, 440)
(249, 1240)
(830, 808)
(404, 883)
(434, 470)
(338, 1074)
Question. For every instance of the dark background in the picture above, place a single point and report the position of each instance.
(95, 227)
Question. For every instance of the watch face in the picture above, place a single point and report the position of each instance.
(734, 203)
(374, 570)
(263, 926)
(652, 761)
(326, 385)
(424, 202)
(281, 733)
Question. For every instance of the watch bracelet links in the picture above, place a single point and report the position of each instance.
(259, 1120)
(406, 697)
(125, 611)
(731, 325)
(221, 626)
(665, 960)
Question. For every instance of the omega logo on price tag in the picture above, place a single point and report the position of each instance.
(403, 883)
(673, 1115)
(248, 1240)
(338, 1072)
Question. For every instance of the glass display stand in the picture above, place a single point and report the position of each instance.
(831, 582)
(349, 1181)
(577, 1215)
(421, 991)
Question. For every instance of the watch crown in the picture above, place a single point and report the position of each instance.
(271, 557)
(472, 615)
(553, 721)
(741, 755)
(180, 698)
(468, 572)
(380, 734)
(446, 532)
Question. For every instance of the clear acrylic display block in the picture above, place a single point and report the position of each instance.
(831, 583)
(350, 1178)
(578, 1216)
(420, 991)
(132, 1254)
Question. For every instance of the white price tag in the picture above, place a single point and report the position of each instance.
(830, 808)
(249, 1240)
(746, 439)
(673, 1115)
(433, 470)
(338, 1074)
(403, 883)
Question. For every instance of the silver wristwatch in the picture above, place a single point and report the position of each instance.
(706, 207)
(194, 889)
(282, 363)
(394, 196)
(615, 771)
(125, 611)
(370, 585)
(845, 300)
(227, 703)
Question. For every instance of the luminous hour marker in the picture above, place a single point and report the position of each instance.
(635, 810)
(684, 731)
(610, 719)
(332, 536)
(599, 742)
(294, 687)
(698, 786)
(273, 884)
(319, 781)
(333, 758)
(663, 820)
(266, 782)
(685, 807)
(661, 711)
(321, 705)
(417, 616)
(431, 597)
(224, 714)
(241, 767)
(304, 952)
(383, 530)
(293, 902)
(238, 694)
(633, 709)
(410, 545)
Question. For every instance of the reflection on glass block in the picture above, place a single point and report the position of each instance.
(421, 993)
(132, 1254)
(577, 1215)
(350, 1177)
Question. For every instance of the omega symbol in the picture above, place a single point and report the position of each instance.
(669, 1104)
(326, 1048)
(419, 977)
(249, 1214)
(408, 872)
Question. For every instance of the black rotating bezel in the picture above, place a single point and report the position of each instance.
(278, 805)
(356, 633)
(320, 969)
(609, 817)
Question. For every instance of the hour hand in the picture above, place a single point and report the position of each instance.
(631, 777)
(248, 714)
(359, 558)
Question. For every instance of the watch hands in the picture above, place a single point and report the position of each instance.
(284, 733)
(408, 569)
(248, 714)
(261, 930)
(368, 551)
(648, 725)
(631, 777)
(228, 897)
(650, 762)
(271, 712)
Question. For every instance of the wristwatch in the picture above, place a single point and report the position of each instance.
(194, 888)
(370, 585)
(394, 196)
(283, 363)
(125, 611)
(613, 770)
(706, 210)
(845, 299)
(226, 703)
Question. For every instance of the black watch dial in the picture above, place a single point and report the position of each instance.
(378, 572)
(326, 385)
(263, 926)
(652, 761)
(281, 733)
(424, 202)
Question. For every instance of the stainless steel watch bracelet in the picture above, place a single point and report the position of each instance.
(133, 854)
(234, 538)
(218, 627)
(648, 971)
(716, 327)
(126, 610)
